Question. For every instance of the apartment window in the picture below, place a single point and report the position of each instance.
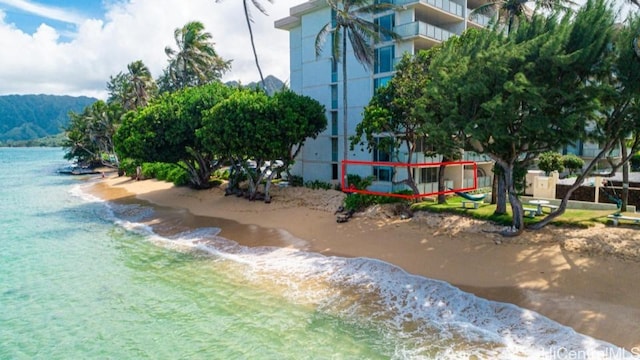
(576, 148)
(382, 173)
(334, 123)
(334, 69)
(334, 96)
(385, 22)
(333, 18)
(384, 59)
(334, 171)
(334, 149)
(380, 82)
(429, 175)
(423, 147)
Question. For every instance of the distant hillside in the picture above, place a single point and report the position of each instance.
(27, 117)
(272, 84)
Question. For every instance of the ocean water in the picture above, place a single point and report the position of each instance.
(81, 278)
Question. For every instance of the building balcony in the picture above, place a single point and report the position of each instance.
(449, 8)
(474, 156)
(592, 153)
(478, 20)
(426, 34)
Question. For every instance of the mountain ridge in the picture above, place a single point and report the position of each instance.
(28, 117)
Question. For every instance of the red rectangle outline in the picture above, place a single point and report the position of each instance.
(412, 165)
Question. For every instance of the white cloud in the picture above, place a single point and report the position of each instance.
(136, 30)
(49, 12)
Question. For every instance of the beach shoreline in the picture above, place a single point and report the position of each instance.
(594, 294)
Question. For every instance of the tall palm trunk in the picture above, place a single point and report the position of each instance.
(344, 99)
(253, 45)
(625, 177)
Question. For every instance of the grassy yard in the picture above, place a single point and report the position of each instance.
(571, 217)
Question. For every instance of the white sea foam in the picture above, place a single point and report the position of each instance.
(80, 191)
(425, 318)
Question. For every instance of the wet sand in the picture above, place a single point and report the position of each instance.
(564, 274)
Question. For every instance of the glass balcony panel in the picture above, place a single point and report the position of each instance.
(446, 5)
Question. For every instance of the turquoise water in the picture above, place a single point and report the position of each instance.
(81, 278)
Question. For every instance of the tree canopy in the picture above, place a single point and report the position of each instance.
(164, 131)
(259, 134)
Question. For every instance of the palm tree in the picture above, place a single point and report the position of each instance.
(249, 19)
(195, 62)
(510, 10)
(362, 35)
(142, 87)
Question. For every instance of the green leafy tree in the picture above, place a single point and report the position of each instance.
(241, 129)
(511, 11)
(132, 89)
(299, 118)
(350, 22)
(90, 134)
(550, 161)
(520, 95)
(195, 61)
(403, 114)
(572, 162)
(165, 131)
(260, 134)
(143, 86)
(618, 91)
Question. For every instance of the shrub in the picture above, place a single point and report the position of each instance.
(572, 163)
(165, 172)
(358, 182)
(222, 174)
(295, 180)
(317, 184)
(127, 166)
(550, 161)
(635, 161)
(358, 202)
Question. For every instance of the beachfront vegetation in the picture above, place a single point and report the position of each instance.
(133, 89)
(164, 131)
(195, 61)
(513, 95)
(572, 217)
(259, 135)
(89, 135)
(550, 161)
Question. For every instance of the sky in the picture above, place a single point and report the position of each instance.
(72, 47)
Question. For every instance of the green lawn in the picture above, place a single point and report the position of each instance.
(571, 217)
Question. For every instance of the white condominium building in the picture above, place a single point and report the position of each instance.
(420, 24)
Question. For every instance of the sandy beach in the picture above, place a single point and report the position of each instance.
(588, 279)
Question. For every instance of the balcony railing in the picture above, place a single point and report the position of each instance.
(483, 181)
(423, 29)
(474, 156)
(591, 153)
(479, 18)
(446, 5)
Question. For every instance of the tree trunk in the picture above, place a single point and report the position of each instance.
(501, 204)
(516, 205)
(625, 177)
(579, 180)
(344, 102)
(253, 45)
(442, 198)
(494, 186)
